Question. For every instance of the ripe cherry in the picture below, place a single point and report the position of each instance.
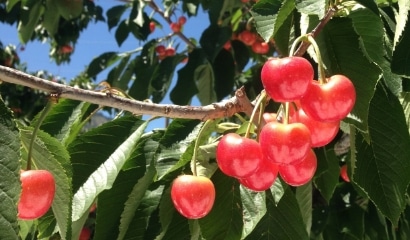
(343, 173)
(193, 196)
(66, 49)
(37, 193)
(170, 51)
(299, 173)
(263, 178)
(331, 101)
(284, 143)
(152, 26)
(286, 79)
(181, 20)
(260, 47)
(175, 27)
(238, 156)
(247, 37)
(85, 234)
(321, 133)
(160, 49)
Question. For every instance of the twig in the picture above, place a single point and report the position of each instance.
(227, 108)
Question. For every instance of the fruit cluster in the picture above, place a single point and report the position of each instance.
(252, 40)
(285, 144)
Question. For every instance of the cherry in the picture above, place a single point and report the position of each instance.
(331, 101)
(160, 49)
(260, 47)
(286, 79)
(170, 51)
(85, 234)
(247, 37)
(228, 45)
(175, 27)
(193, 196)
(299, 173)
(343, 173)
(263, 178)
(321, 133)
(37, 194)
(238, 156)
(181, 20)
(66, 49)
(284, 143)
(152, 26)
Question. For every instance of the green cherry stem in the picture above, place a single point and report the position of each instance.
(41, 118)
(296, 42)
(198, 139)
(258, 103)
(322, 74)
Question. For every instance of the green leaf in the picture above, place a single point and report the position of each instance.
(10, 4)
(278, 190)
(9, 174)
(111, 202)
(401, 51)
(102, 62)
(303, 196)
(162, 77)
(51, 17)
(401, 20)
(113, 77)
(49, 154)
(140, 32)
(370, 4)
(341, 54)
(224, 73)
(312, 7)
(105, 175)
(122, 32)
(70, 9)
(241, 54)
(114, 15)
(204, 79)
(225, 219)
(254, 208)
(134, 200)
(213, 39)
(283, 221)
(65, 120)
(26, 28)
(327, 173)
(265, 13)
(382, 168)
(185, 87)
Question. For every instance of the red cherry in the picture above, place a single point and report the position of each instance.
(245, 1)
(238, 156)
(286, 79)
(66, 49)
(260, 47)
(152, 26)
(37, 193)
(170, 51)
(175, 27)
(263, 178)
(331, 101)
(300, 173)
(321, 133)
(343, 173)
(247, 37)
(160, 49)
(228, 45)
(181, 20)
(193, 196)
(284, 143)
(85, 234)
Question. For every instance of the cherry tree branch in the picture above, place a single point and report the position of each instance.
(227, 108)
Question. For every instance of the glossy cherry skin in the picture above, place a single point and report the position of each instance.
(321, 133)
(286, 79)
(260, 47)
(284, 143)
(85, 234)
(331, 101)
(37, 193)
(193, 196)
(343, 173)
(263, 178)
(247, 37)
(238, 156)
(300, 173)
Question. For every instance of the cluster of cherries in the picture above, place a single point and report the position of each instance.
(312, 115)
(252, 40)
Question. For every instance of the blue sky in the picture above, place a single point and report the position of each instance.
(95, 40)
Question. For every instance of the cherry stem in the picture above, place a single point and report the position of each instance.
(302, 38)
(198, 139)
(261, 99)
(286, 119)
(41, 118)
(322, 74)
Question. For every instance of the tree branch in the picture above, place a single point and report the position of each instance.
(227, 108)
